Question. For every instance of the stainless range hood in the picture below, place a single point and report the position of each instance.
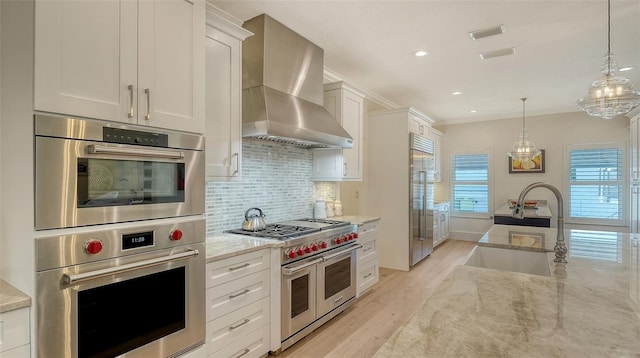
(282, 89)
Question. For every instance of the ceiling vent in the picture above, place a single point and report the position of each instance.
(498, 53)
(491, 31)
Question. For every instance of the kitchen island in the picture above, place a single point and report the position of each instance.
(589, 307)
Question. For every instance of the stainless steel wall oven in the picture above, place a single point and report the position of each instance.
(90, 172)
(135, 292)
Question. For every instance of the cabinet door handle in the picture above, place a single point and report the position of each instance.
(368, 275)
(239, 267)
(130, 114)
(237, 163)
(344, 171)
(148, 93)
(367, 249)
(246, 320)
(246, 290)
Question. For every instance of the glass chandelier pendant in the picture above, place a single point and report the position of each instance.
(524, 150)
(611, 95)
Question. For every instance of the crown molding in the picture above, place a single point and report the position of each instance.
(333, 76)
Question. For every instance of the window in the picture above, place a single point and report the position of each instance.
(596, 184)
(470, 183)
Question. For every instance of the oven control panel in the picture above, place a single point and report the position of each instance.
(311, 248)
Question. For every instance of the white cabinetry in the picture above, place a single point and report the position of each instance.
(14, 333)
(223, 110)
(388, 181)
(634, 154)
(239, 305)
(436, 136)
(346, 105)
(419, 123)
(368, 269)
(140, 62)
(440, 223)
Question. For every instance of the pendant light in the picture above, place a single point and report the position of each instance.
(611, 95)
(523, 150)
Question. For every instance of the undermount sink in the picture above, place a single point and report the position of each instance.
(530, 262)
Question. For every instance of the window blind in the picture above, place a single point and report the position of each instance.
(596, 183)
(470, 182)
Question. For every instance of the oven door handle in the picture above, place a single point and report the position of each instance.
(335, 254)
(291, 270)
(91, 275)
(137, 152)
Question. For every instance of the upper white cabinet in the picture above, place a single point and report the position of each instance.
(140, 62)
(346, 105)
(436, 136)
(419, 124)
(223, 110)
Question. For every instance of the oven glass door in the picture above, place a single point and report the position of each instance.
(298, 297)
(336, 280)
(122, 316)
(109, 182)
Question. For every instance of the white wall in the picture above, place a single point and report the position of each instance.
(549, 132)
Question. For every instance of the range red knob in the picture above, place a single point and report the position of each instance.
(307, 249)
(93, 247)
(175, 234)
(323, 244)
(291, 254)
(338, 240)
(351, 237)
(355, 235)
(300, 251)
(314, 247)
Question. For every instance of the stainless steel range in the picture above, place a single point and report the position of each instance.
(318, 272)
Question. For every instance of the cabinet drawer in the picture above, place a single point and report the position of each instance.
(14, 329)
(230, 296)
(233, 326)
(368, 274)
(253, 345)
(219, 272)
(368, 227)
(369, 251)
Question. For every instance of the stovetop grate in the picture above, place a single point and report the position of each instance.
(284, 231)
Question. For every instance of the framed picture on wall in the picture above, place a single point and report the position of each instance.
(535, 165)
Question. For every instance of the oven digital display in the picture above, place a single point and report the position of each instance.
(132, 241)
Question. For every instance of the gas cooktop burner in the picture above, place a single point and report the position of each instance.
(291, 229)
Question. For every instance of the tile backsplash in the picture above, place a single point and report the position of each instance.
(276, 178)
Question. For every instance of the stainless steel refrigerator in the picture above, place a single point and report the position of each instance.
(421, 200)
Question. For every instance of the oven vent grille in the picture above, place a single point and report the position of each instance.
(296, 142)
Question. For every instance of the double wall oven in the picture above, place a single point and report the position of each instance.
(120, 255)
(318, 272)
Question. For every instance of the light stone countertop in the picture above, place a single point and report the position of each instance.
(228, 245)
(527, 238)
(356, 219)
(591, 311)
(542, 211)
(11, 298)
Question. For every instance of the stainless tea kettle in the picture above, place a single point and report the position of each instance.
(254, 222)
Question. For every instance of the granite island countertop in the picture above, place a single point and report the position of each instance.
(590, 310)
(11, 298)
(542, 211)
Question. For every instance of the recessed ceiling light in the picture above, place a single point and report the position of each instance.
(421, 53)
(628, 68)
(456, 93)
(473, 111)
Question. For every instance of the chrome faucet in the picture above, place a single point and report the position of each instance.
(560, 247)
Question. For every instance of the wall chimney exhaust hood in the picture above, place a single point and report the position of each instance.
(282, 89)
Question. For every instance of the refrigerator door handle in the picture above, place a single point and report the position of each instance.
(423, 210)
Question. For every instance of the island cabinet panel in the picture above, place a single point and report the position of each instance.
(239, 305)
(135, 62)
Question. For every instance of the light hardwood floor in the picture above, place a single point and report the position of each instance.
(363, 328)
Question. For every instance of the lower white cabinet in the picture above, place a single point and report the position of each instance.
(14, 333)
(239, 306)
(367, 268)
(440, 222)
